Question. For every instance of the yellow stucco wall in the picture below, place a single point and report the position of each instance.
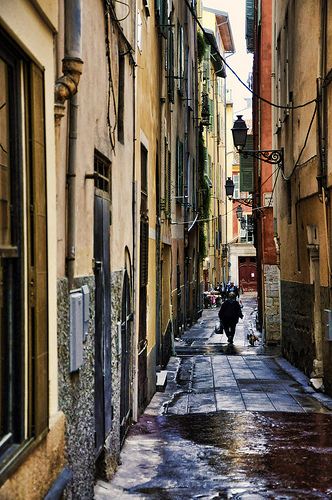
(24, 24)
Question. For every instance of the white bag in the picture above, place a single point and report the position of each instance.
(218, 327)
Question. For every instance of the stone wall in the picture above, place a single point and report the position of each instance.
(108, 461)
(76, 397)
(297, 306)
(272, 305)
(327, 345)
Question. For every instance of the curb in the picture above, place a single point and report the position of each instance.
(302, 379)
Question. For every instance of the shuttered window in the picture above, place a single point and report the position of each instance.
(144, 251)
(250, 25)
(246, 168)
(180, 54)
(169, 173)
(170, 66)
(23, 321)
(179, 171)
(162, 14)
(144, 224)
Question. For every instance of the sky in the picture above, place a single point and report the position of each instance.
(241, 61)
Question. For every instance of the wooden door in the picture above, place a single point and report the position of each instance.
(248, 274)
(103, 406)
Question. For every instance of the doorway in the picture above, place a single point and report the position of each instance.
(103, 388)
(126, 357)
(248, 274)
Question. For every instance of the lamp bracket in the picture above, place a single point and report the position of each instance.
(275, 157)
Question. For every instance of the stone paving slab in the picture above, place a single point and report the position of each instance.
(228, 383)
(211, 380)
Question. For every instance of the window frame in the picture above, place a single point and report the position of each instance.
(27, 420)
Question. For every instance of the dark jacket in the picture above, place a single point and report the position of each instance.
(230, 312)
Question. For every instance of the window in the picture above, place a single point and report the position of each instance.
(167, 179)
(102, 169)
(23, 254)
(236, 180)
(179, 171)
(121, 100)
(180, 58)
(170, 64)
(162, 12)
(144, 181)
(211, 110)
(247, 167)
(247, 229)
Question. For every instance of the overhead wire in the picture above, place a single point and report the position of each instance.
(236, 75)
(305, 143)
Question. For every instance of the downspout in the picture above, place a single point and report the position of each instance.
(66, 88)
(135, 223)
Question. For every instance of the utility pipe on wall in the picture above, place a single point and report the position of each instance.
(65, 89)
(66, 86)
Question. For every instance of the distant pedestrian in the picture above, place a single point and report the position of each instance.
(231, 288)
(229, 315)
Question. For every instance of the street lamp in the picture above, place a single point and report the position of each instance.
(240, 218)
(239, 131)
(239, 212)
(229, 186)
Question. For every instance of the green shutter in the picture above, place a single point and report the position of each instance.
(205, 159)
(211, 109)
(250, 25)
(169, 184)
(170, 79)
(246, 168)
(179, 170)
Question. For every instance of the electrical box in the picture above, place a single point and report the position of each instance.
(76, 330)
(328, 324)
(86, 310)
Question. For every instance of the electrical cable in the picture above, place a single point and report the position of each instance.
(110, 81)
(262, 98)
(273, 189)
(228, 66)
(123, 19)
(305, 143)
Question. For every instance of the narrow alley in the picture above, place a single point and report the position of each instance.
(233, 422)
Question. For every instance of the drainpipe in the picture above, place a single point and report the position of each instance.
(66, 86)
(65, 89)
(71, 184)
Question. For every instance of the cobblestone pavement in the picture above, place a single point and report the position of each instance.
(184, 446)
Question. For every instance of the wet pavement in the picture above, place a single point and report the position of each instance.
(234, 422)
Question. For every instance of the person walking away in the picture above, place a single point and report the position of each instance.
(229, 315)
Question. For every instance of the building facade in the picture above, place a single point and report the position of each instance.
(215, 133)
(100, 255)
(99, 258)
(302, 205)
(259, 35)
(32, 441)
